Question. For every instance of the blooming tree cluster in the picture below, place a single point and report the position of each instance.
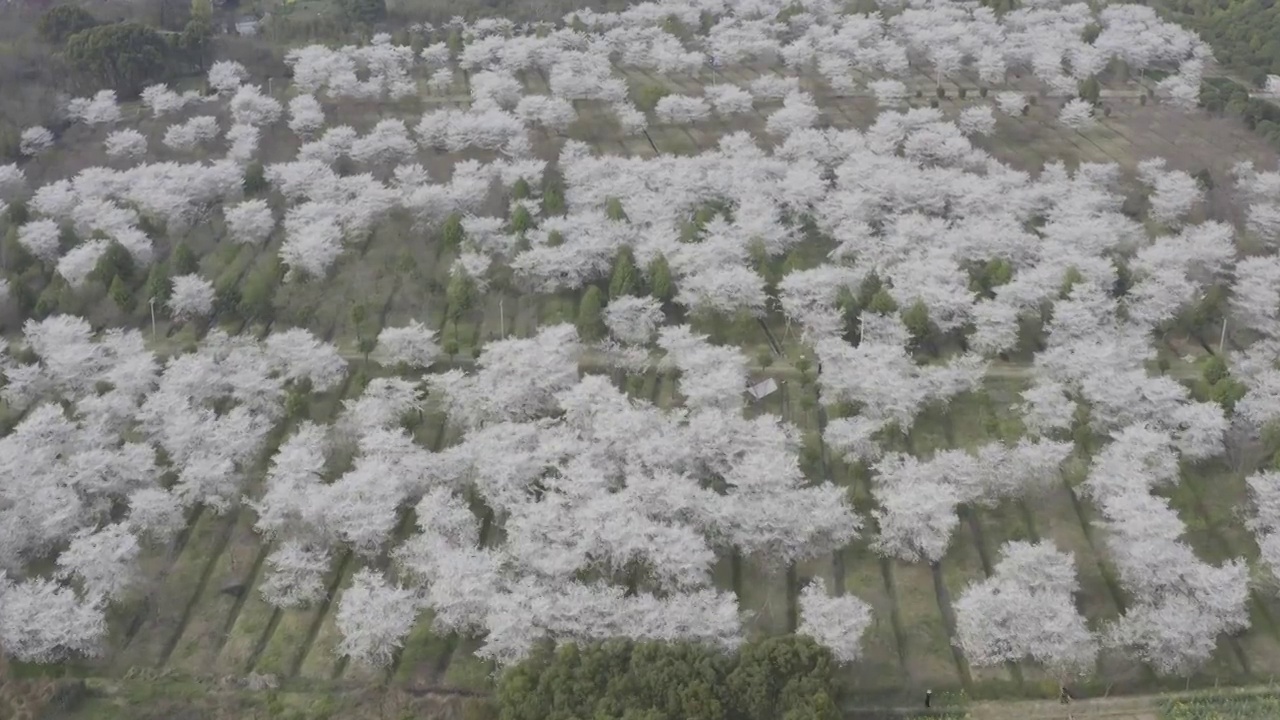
(605, 514)
(105, 422)
(597, 493)
(1182, 604)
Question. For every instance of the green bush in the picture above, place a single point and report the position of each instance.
(769, 679)
(1222, 707)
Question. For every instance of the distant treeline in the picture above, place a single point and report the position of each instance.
(1244, 34)
(1224, 95)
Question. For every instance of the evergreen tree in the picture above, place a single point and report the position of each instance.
(613, 208)
(259, 289)
(158, 285)
(116, 262)
(871, 284)
(520, 190)
(850, 312)
(623, 281)
(1069, 281)
(660, 283)
(916, 318)
(553, 198)
(193, 46)
(359, 313)
(15, 257)
(366, 346)
(24, 298)
(1090, 90)
(453, 232)
(120, 294)
(226, 293)
(591, 315)
(461, 296)
(990, 275)
(184, 261)
(255, 179)
(882, 302)
(521, 220)
(18, 213)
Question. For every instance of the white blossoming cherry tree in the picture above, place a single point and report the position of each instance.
(1026, 611)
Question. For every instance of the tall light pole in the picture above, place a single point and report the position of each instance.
(502, 319)
(152, 303)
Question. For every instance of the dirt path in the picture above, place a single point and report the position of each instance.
(1117, 708)
(1132, 707)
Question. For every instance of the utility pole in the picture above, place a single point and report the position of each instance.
(1222, 340)
(502, 319)
(152, 303)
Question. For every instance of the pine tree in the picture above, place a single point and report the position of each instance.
(916, 318)
(521, 220)
(553, 198)
(184, 261)
(1090, 91)
(461, 296)
(453, 232)
(116, 262)
(359, 313)
(120, 294)
(158, 285)
(1069, 281)
(15, 257)
(623, 281)
(660, 284)
(255, 179)
(882, 302)
(259, 290)
(18, 213)
(591, 314)
(613, 208)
